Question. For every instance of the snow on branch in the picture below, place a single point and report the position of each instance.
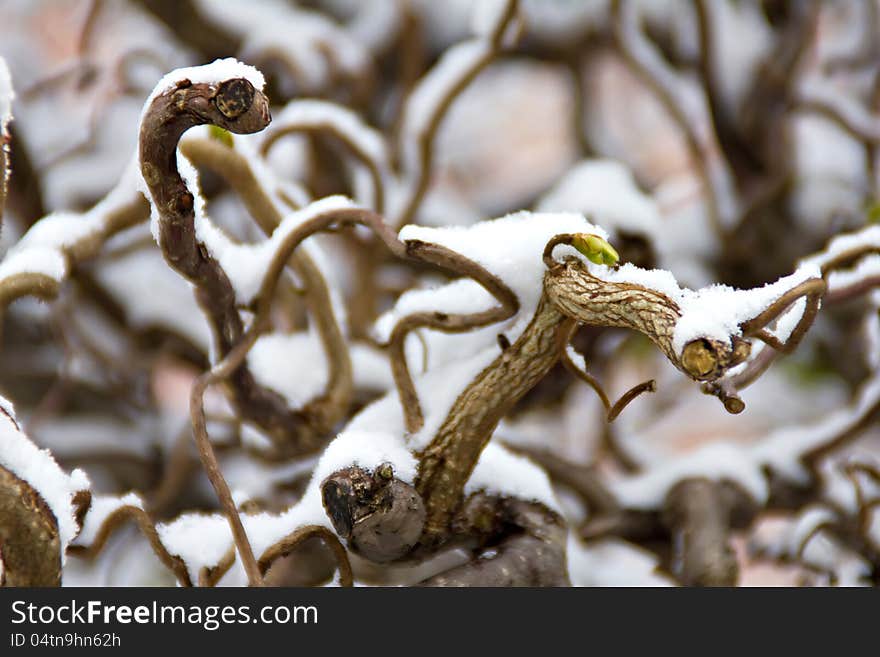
(40, 261)
(7, 95)
(372, 390)
(41, 505)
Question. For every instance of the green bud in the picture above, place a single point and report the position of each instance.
(873, 213)
(221, 135)
(596, 249)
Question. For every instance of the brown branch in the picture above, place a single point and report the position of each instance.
(696, 514)
(186, 22)
(629, 395)
(446, 464)
(625, 24)
(210, 575)
(25, 196)
(424, 140)
(812, 289)
(145, 524)
(611, 410)
(589, 379)
(350, 145)
(292, 431)
(293, 540)
(530, 552)
(330, 407)
(455, 323)
(726, 388)
(377, 514)
(235, 357)
(31, 548)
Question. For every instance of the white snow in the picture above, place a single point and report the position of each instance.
(826, 553)
(292, 365)
(252, 479)
(562, 21)
(498, 471)
(783, 448)
(371, 369)
(688, 96)
(806, 538)
(374, 437)
(787, 321)
(782, 451)
(717, 461)
(300, 38)
(612, 562)
(199, 539)
(37, 260)
(153, 295)
(715, 311)
(43, 248)
(376, 24)
(606, 192)
(501, 471)
(7, 95)
(62, 230)
(511, 247)
(874, 525)
(718, 310)
(830, 174)
(741, 38)
(840, 244)
(202, 540)
(84, 434)
(867, 267)
(822, 551)
(487, 15)
(38, 468)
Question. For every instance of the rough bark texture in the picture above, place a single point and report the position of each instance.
(590, 300)
(449, 459)
(531, 551)
(29, 542)
(380, 516)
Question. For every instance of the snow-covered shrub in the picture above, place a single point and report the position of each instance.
(326, 316)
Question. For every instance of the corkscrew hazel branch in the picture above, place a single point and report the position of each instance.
(238, 171)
